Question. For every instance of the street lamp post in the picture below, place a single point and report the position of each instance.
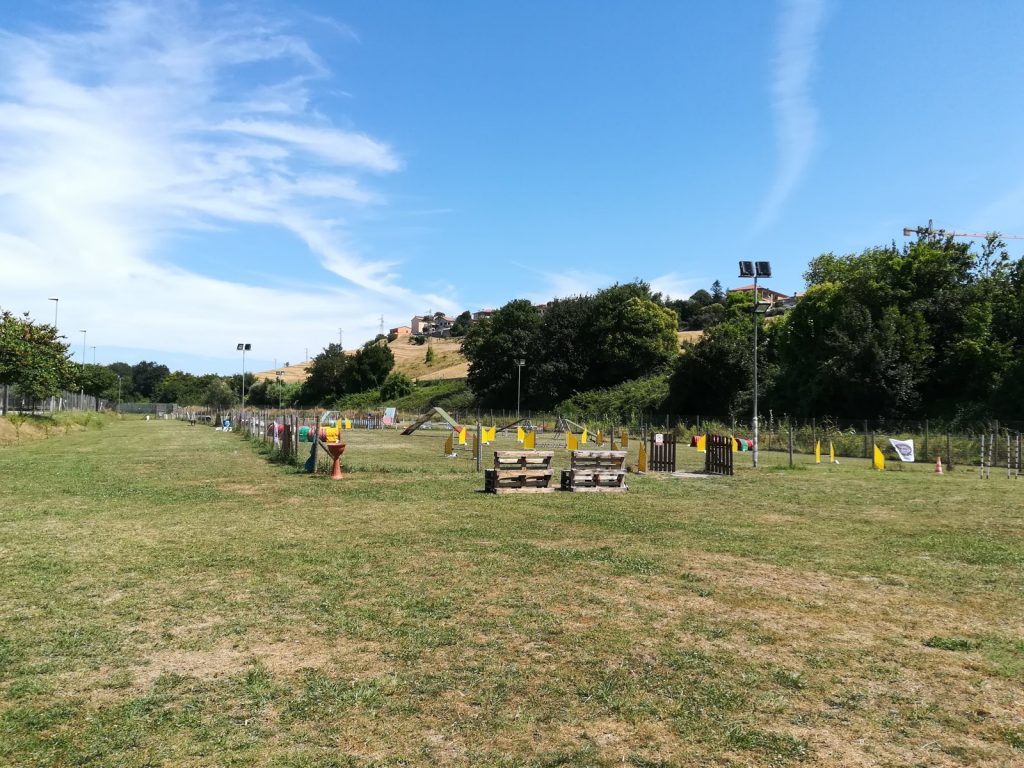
(93, 348)
(56, 301)
(756, 270)
(243, 348)
(81, 394)
(520, 362)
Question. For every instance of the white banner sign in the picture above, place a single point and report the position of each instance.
(904, 448)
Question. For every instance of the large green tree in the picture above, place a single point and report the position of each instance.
(585, 342)
(369, 367)
(494, 344)
(100, 382)
(33, 357)
(326, 380)
(146, 377)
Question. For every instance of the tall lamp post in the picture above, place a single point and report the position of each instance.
(756, 269)
(56, 301)
(243, 348)
(81, 395)
(520, 362)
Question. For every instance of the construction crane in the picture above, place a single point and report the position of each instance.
(930, 231)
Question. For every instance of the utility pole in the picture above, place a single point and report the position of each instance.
(340, 344)
(931, 231)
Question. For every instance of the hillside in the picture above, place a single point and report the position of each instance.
(410, 359)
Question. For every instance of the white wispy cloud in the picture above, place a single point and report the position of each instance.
(795, 114)
(140, 125)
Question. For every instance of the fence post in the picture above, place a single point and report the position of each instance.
(926, 441)
(791, 442)
(866, 438)
(479, 447)
(949, 453)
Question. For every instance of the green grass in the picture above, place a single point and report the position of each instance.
(173, 598)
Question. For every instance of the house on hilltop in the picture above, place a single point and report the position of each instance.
(763, 294)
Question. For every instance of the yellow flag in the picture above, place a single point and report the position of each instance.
(348, 424)
(702, 443)
(641, 463)
(831, 453)
(583, 437)
(611, 442)
(462, 436)
(520, 435)
(571, 443)
(733, 439)
(600, 437)
(449, 449)
(624, 438)
(879, 461)
(817, 452)
(530, 441)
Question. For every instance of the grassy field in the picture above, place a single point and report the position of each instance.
(170, 598)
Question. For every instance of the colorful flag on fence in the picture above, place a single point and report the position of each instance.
(904, 449)
(831, 453)
(571, 443)
(583, 437)
(702, 443)
(530, 441)
(520, 435)
(817, 452)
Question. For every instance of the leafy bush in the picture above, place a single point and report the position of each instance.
(621, 403)
(396, 385)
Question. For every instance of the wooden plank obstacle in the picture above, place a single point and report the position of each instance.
(520, 472)
(718, 455)
(661, 457)
(595, 471)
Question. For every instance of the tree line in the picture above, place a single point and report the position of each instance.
(37, 362)
(934, 329)
(930, 329)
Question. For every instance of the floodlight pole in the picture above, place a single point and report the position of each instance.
(242, 348)
(755, 369)
(519, 381)
(81, 394)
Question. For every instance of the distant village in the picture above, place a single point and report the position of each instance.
(440, 325)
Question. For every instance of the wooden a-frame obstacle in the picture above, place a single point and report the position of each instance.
(424, 418)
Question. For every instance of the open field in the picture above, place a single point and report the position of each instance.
(171, 598)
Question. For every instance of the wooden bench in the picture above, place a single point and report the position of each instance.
(520, 472)
(595, 471)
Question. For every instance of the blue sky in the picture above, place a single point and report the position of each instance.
(187, 175)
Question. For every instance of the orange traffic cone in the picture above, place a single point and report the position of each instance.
(938, 465)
